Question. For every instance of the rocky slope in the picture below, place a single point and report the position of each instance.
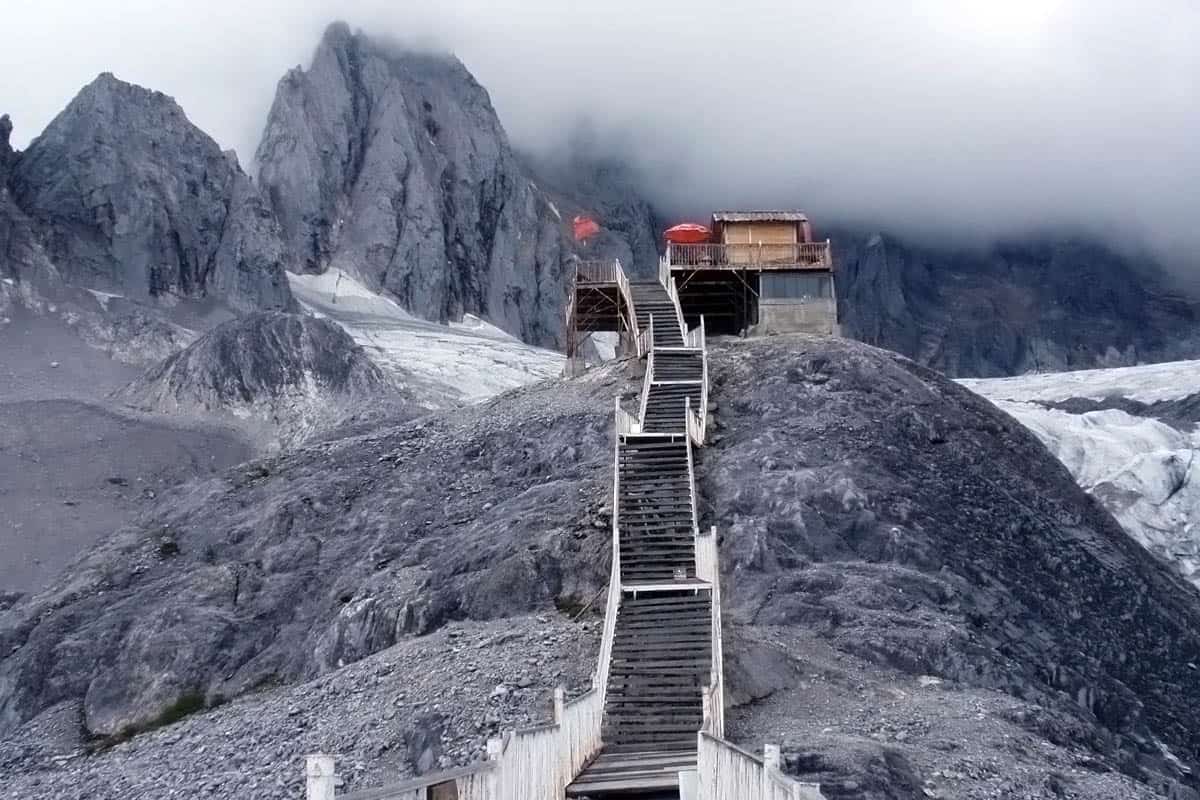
(130, 197)
(391, 165)
(287, 375)
(919, 599)
(1039, 304)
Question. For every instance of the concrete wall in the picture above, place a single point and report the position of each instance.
(818, 315)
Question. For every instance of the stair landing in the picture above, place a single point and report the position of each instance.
(648, 775)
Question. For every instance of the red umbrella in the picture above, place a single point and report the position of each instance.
(584, 227)
(688, 233)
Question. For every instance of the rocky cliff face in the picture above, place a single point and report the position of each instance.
(7, 156)
(128, 196)
(391, 165)
(911, 581)
(1039, 305)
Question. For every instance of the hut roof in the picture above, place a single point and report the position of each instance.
(758, 216)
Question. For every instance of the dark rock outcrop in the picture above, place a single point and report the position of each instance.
(296, 373)
(7, 155)
(1043, 304)
(886, 524)
(392, 165)
(129, 196)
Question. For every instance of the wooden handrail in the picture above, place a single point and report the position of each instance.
(726, 770)
(759, 254)
(600, 677)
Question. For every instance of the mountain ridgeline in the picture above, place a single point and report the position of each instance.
(392, 165)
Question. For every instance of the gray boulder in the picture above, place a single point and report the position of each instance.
(129, 196)
(288, 374)
(391, 164)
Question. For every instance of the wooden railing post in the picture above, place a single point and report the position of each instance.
(560, 701)
(319, 777)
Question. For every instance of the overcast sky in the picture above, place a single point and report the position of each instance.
(977, 115)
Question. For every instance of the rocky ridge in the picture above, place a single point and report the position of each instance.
(391, 164)
(130, 197)
(1028, 645)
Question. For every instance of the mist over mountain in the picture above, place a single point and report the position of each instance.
(974, 118)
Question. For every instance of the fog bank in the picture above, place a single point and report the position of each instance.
(969, 116)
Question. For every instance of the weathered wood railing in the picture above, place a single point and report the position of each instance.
(673, 293)
(598, 271)
(537, 763)
(627, 424)
(813, 255)
(708, 568)
(600, 677)
(697, 418)
(534, 763)
(648, 375)
(601, 273)
(645, 338)
(687, 440)
(727, 772)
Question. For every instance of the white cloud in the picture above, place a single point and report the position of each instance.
(977, 115)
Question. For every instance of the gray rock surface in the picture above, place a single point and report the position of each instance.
(72, 472)
(287, 374)
(129, 196)
(919, 600)
(1035, 305)
(868, 503)
(425, 704)
(392, 165)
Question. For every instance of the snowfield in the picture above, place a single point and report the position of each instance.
(1143, 470)
(444, 365)
(1148, 383)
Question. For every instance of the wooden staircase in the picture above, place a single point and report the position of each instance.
(662, 651)
(656, 515)
(661, 659)
(650, 298)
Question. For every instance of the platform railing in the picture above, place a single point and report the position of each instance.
(812, 255)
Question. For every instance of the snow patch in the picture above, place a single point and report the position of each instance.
(444, 365)
(1146, 383)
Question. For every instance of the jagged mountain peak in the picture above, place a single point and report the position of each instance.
(130, 197)
(390, 164)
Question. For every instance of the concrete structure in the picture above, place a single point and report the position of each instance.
(762, 272)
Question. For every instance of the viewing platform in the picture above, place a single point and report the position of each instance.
(757, 255)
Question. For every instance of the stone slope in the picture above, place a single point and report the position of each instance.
(129, 197)
(391, 165)
(291, 373)
(881, 527)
